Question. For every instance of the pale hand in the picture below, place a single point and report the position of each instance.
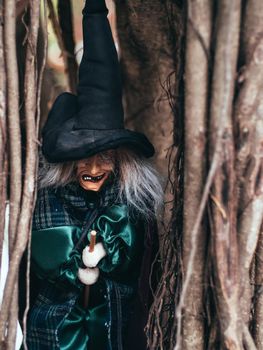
(91, 259)
(88, 276)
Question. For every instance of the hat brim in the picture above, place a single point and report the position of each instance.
(62, 145)
(63, 142)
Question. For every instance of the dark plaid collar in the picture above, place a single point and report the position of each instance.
(69, 204)
(73, 195)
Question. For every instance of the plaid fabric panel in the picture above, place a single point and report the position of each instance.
(50, 309)
(120, 298)
(49, 211)
(68, 205)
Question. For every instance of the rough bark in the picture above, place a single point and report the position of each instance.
(13, 119)
(24, 222)
(42, 58)
(223, 196)
(14, 145)
(12, 322)
(258, 297)
(248, 340)
(150, 34)
(3, 136)
(196, 95)
(147, 64)
(32, 85)
(20, 7)
(249, 136)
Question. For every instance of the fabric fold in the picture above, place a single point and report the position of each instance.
(53, 254)
(85, 329)
(122, 241)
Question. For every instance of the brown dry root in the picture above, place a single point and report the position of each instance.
(14, 144)
(235, 180)
(249, 135)
(223, 194)
(14, 133)
(161, 327)
(158, 327)
(8, 315)
(3, 137)
(196, 94)
(258, 295)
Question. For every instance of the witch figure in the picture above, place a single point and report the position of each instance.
(95, 184)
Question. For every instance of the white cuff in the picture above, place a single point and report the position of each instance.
(88, 276)
(91, 259)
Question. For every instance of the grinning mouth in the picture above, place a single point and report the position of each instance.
(89, 178)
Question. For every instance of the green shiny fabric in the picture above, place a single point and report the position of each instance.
(53, 247)
(123, 241)
(53, 254)
(84, 330)
(54, 257)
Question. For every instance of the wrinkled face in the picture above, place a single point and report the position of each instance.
(92, 172)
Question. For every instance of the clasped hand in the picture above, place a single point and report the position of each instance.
(90, 274)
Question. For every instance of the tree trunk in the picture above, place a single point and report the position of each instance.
(20, 211)
(196, 94)
(150, 35)
(249, 136)
(206, 123)
(13, 118)
(258, 302)
(3, 137)
(223, 194)
(149, 66)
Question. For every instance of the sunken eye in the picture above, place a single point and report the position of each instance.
(106, 157)
(103, 158)
(100, 161)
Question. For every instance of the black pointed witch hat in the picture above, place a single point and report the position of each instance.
(93, 121)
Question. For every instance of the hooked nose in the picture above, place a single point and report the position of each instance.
(94, 167)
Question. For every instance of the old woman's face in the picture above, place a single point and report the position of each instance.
(92, 172)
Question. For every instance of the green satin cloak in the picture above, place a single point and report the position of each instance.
(54, 257)
(85, 329)
(52, 252)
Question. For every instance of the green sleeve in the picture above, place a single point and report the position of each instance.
(53, 255)
(122, 238)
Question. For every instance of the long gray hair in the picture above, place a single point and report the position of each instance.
(139, 183)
